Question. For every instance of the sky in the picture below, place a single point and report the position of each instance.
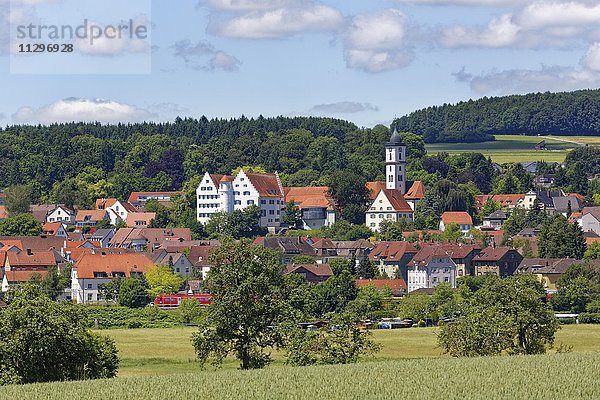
(366, 61)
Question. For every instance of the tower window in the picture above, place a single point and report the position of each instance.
(391, 178)
(400, 177)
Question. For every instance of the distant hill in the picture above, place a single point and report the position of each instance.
(568, 113)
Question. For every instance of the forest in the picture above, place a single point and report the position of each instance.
(566, 114)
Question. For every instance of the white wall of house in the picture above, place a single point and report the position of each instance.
(381, 210)
(208, 201)
(4, 284)
(590, 223)
(118, 214)
(417, 279)
(61, 215)
(464, 228)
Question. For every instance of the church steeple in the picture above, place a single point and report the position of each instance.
(395, 163)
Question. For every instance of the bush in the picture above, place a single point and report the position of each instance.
(567, 321)
(422, 324)
(589, 318)
(108, 317)
(42, 341)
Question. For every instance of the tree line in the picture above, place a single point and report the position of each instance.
(566, 113)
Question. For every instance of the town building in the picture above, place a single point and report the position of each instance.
(117, 211)
(140, 219)
(392, 258)
(312, 273)
(389, 203)
(289, 247)
(150, 239)
(90, 218)
(55, 229)
(222, 193)
(590, 220)
(461, 218)
(495, 219)
(506, 201)
(44, 213)
(431, 266)
(21, 266)
(316, 205)
(397, 286)
(139, 199)
(501, 261)
(327, 249)
(93, 270)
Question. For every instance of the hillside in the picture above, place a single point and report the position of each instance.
(564, 376)
(566, 114)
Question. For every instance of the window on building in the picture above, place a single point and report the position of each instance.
(263, 202)
(238, 202)
(250, 202)
(271, 212)
(90, 296)
(446, 279)
(271, 201)
(391, 178)
(246, 193)
(89, 285)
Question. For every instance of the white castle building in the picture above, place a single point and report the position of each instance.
(390, 203)
(224, 193)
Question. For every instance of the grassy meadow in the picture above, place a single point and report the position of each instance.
(513, 148)
(169, 350)
(562, 376)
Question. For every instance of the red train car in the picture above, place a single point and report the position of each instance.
(173, 300)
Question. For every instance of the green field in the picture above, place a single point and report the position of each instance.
(556, 376)
(513, 148)
(159, 364)
(168, 351)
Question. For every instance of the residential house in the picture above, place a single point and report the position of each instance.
(316, 205)
(102, 237)
(502, 261)
(590, 220)
(23, 266)
(549, 270)
(94, 270)
(327, 249)
(431, 266)
(313, 273)
(140, 219)
(151, 239)
(54, 229)
(52, 213)
(566, 205)
(461, 218)
(34, 243)
(117, 211)
(397, 286)
(462, 255)
(90, 218)
(506, 201)
(543, 181)
(495, 219)
(178, 261)
(289, 247)
(139, 199)
(200, 259)
(392, 258)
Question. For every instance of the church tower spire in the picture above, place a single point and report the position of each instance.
(395, 163)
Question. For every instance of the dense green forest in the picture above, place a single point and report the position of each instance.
(570, 113)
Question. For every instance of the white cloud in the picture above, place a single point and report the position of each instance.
(378, 42)
(591, 60)
(500, 32)
(195, 56)
(546, 14)
(342, 107)
(249, 5)
(126, 43)
(87, 110)
(281, 22)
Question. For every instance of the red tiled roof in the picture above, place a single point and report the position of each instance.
(397, 201)
(125, 263)
(458, 217)
(105, 203)
(24, 276)
(492, 253)
(391, 251)
(267, 185)
(145, 217)
(38, 258)
(51, 228)
(309, 197)
(394, 284)
(374, 188)
(416, 191)
(93, 215)
(3, 212)
(579, 196)
(227, 178)
(505, 200)
(323, 270)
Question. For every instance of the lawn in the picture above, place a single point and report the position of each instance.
(554, 376)
(515, 148)
(169, 350)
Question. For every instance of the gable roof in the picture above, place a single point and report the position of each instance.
(51, 228)
(505, 200)
(458, 217)
(397, 201)
(594, 211)
(267, 185)
(134, 217)
(125, 263)
(216, 178)
(199, 255)
(322, 270)
(90, 215)
(396, 285)
(288, 245)
(134, 196)
(309, 197)
(492, 253)
(36, 259)
(498, 214)
(374, 188)
(391, 251)
(155, 236)
(34, 242)
(561, 204)
(416, 191)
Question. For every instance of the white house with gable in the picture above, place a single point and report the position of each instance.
(222, 193)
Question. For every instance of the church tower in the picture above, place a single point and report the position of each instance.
(395, 163)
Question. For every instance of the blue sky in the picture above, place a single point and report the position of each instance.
(362, 60)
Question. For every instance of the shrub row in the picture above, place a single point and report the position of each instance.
(107, 317)
(589, 318)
